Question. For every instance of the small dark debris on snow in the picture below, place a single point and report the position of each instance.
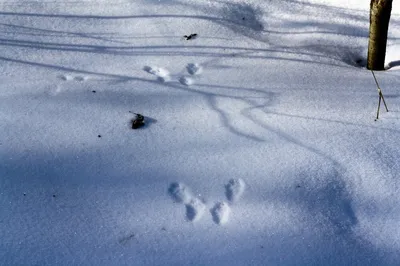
(298, 186)
(164, 229)
(99, 136)
(54, 195)
(191, 36)
(24, 194)
(138, 122)
(243, 18)
(93, 91)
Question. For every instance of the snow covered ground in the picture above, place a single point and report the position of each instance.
(260, 145)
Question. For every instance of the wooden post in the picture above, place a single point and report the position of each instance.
(380, 11)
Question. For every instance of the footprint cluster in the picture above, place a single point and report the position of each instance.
(163, 75)
(196, 208)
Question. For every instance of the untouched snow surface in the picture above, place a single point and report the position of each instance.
(259, 148)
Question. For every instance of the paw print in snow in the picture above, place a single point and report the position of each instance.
(220, 213)
(162, 74)
(234, 189)
(180, 193)
(186, 81)
(195, 208)
(194, 69)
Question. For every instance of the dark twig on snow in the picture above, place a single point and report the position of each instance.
(191, 36)
(380, 97)
(138, 121)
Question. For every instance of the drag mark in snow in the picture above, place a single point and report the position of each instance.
(220, 213)
(162, 74)
(235, 189)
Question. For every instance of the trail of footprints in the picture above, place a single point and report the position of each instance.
(196, 208)
(163, 74)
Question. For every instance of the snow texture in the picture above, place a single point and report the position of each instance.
(264, 124)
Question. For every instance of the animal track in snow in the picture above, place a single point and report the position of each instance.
(195, 210)
(180, 193)
(70, 77)
(220, 212)
(81, 78)
(66, 77)
(162, 74)
(186, 81)
(234, 189)
(194, 69)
